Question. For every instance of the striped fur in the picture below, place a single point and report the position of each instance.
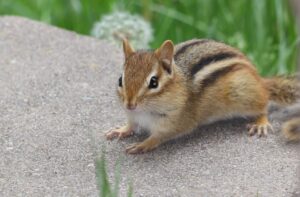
(185, 46)
(206, 72)
(217, 74)
(211, 59)
(192, 56)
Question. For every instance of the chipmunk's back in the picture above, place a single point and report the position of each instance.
(194, 55)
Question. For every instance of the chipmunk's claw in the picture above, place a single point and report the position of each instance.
(261, 126)
(120, 133)
(260, 129)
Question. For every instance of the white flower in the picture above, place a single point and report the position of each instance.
(117, 25)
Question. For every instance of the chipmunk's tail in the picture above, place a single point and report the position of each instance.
(285, 91)
(291, 129)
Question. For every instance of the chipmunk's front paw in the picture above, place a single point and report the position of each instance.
(120, 133)
(145, 146)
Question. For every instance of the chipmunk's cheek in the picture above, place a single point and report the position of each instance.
(144, 103)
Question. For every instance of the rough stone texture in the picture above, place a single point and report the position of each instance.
(57, 96)
(52, 83)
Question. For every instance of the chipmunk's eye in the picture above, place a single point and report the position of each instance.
(153, 82)
(120, 81)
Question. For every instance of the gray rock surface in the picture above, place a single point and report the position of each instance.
(56, 99)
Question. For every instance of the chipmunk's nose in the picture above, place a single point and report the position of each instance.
(131, 106)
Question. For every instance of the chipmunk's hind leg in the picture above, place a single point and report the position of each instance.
(248, 95)
(260, 126)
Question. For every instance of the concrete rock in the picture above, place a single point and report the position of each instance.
(57, 97)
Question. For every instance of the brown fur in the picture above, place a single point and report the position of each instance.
(137, 67)
(283, 90)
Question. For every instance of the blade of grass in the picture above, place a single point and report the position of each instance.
(102, 177)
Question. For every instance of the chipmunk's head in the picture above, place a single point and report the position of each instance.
(146, 74)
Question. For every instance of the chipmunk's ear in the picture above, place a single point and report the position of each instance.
(165, 55)
(127, 48)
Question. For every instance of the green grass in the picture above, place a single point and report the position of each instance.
(106, 189)
(264, 29)
(76, 15)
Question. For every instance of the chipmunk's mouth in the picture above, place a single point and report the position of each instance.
(135, 109)
(131, 107)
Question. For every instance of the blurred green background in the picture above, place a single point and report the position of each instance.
(264, 29)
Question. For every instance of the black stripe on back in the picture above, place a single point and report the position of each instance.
(185, 47)
(210, 59)
(213, 77)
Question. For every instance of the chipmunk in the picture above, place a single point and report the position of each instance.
(173, 89)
